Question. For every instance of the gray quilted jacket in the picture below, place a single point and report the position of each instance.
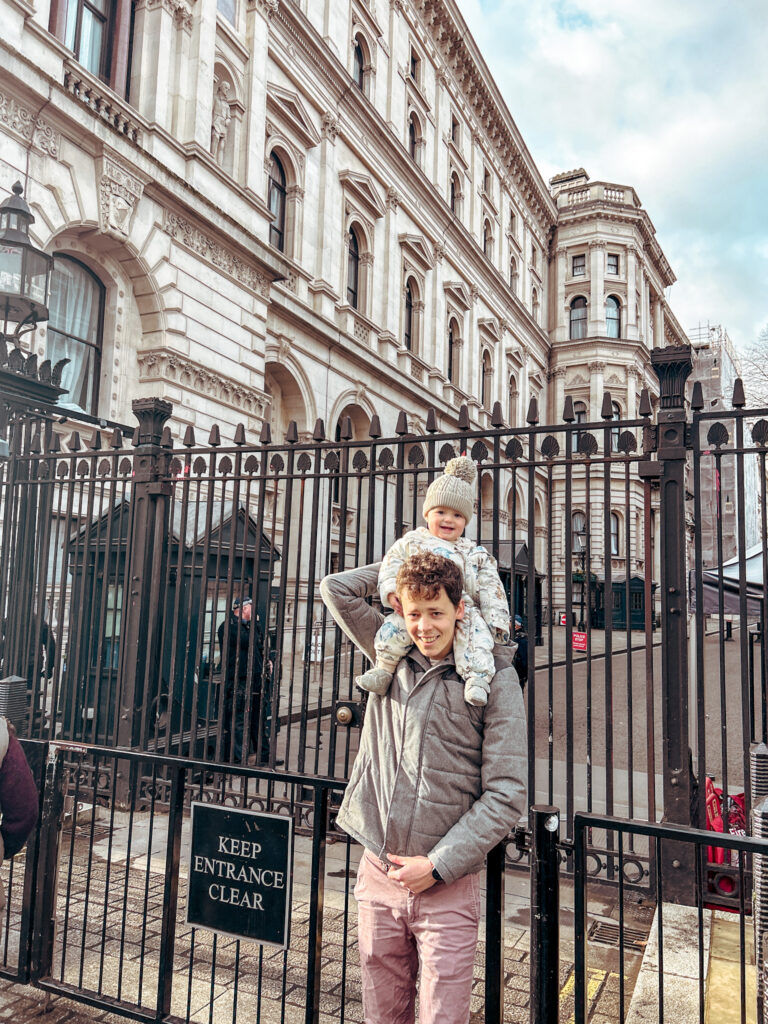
(434, 776)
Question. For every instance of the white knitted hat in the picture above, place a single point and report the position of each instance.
(454, 488)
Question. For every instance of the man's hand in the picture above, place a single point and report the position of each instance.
(394, 602)
(414, 873)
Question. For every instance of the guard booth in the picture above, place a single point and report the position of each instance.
(514, 577)
(636, 603)
(207, 567)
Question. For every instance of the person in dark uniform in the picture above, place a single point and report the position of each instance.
(520, 660)
(241, 631)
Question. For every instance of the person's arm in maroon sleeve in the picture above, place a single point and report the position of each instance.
(19, 797)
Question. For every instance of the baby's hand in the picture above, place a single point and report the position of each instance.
(394, 601)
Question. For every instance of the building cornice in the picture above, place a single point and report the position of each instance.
(462, 58)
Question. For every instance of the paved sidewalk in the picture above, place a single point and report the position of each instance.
(109, 918)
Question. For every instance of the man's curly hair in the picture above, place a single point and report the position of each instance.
(424, 573)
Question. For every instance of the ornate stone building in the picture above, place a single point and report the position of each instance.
(302, 209)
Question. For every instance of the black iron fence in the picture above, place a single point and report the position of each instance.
(121, 562)
(120, 565)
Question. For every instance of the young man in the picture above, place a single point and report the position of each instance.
(436, 784)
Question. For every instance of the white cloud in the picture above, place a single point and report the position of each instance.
(671, 98)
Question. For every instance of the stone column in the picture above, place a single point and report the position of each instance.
(658, 322)
(632, 326)
(558, 375)
(152, 64)
(561, 319)
(257, 21)
(596, 388)
(597, 289)
(199, 97)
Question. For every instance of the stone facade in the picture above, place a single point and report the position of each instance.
(152, 169)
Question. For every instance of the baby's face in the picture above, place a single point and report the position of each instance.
(445, 523)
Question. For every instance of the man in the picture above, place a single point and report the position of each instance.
(436, 784)
(236, 678)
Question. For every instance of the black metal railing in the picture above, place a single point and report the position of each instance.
(672, 979)
(125, 562)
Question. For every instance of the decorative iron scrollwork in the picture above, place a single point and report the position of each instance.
(479, 451)
(627, 442)
(587, 444)
(717, 435)
(514, 449)
(550, 448)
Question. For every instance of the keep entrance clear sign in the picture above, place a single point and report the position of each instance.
(240, 873)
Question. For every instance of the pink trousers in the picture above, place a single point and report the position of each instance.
(399, 932)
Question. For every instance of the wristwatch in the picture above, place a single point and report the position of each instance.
(436, 875)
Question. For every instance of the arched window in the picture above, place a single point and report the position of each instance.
(487, 239)
(453, 352)
(578, 318)
(580, 413)
(513, 274)
(277, 203)
(353, 269)
(486, 386)
(358, 65)
(512, 401)
(414, 136)
(615, 534)
(455, 195)
(612, 317)
(615, 431)
(578, 532)
(75, 327)
(408, 322)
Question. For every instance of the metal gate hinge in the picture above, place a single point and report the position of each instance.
(650, 438)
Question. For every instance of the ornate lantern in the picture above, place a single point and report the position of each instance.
(24, 270)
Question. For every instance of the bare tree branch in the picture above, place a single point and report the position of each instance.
(754, 362)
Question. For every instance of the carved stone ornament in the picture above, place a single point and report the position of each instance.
(119, 193)
(266, 7)
(179, 10)
(331, 125)
(222, 115)
(393, 198)
(164, 365)
(193, 238)
(33, 129)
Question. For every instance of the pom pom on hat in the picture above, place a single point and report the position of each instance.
(454, 488)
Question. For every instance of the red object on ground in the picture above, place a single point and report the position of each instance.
(579, 641)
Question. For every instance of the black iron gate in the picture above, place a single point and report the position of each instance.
(119, 563)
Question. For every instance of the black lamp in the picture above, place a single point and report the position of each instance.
(24, 270)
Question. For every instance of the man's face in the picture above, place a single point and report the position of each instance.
(431, 622)
(246, 611)
(445, 523)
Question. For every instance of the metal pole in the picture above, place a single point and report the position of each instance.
(672, 366)
(545, 915)
(494, 936)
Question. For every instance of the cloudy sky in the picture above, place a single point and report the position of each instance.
(670, 96)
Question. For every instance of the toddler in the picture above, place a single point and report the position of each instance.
(448, 507)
